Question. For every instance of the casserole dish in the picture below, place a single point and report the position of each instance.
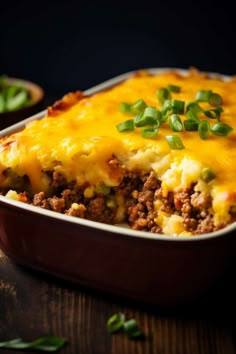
(136, 264)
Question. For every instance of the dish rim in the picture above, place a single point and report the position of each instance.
(116, 229)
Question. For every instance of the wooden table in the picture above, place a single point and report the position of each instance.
(33, 304)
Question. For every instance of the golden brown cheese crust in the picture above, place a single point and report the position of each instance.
(78, 139)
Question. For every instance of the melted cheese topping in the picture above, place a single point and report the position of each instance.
(80, 141)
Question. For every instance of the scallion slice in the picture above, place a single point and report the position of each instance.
(215, 99)
(150, 132)
(192, 115)
(203, 95)
(138, 107)
(115, 322)
(46, 344)
(125, 126)
(174, 88)
(174, 142)
(204, 129)
(221, 129)
(177, 106)
(133, 108)
(194, 107)
(163, 94)
(207, 174)
(175, 123)
(191, 125)
(150, 116)
(131, 329)
(213, 112)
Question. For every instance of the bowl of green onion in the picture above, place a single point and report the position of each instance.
(19, 99)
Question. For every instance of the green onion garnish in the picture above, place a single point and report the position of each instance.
(150, 132)
(204, 129)
(133, 108)
(177, 106)
(191, 125)
(46, 344)
(131, 329)
(213, 112)
(194, 107)
(203, 95)
(175, 143)
(174, 88)
(150, 116)
(163, 94)
(192, 115)
(175, 123)
(207, 175)
(215, 99)
(138, 107)
(221, 129)
(115, 322)
(125, 126)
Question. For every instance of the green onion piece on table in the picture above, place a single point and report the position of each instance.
(131, 329)
(115, 322)
(46, 344)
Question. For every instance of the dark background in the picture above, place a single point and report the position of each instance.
(70, 45)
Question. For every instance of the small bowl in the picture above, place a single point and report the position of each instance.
(37, 97)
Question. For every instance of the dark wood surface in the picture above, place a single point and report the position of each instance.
(33, 304)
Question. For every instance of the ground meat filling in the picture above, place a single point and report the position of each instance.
(139, 195)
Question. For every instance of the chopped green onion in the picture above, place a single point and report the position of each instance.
(221, 129)
(192, 115)
(203, 95)
(125, 126)
(207, 174)
(2, 103)
(131, 329)
(138, 107)
(176, 123)
(215, 99)
(150, 116)
(165, 110)
(191, 125)
(150, 132)
(115, 322)
(194, 107)
(46, 344)
(174, 88)
(17, 101)
(214, 112)
(163, 94)
(133, 108)
(175, 143)
(177, 106)
(204, 129)
(125, 107)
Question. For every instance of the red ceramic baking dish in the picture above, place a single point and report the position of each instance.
(137, 265)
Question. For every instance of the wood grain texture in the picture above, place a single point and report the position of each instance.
(33, 304)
